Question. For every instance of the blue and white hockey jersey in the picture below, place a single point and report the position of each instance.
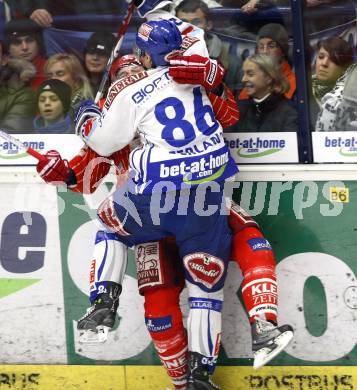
(181, 141)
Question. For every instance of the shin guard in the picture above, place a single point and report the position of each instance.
(108, 263)
(204, 324)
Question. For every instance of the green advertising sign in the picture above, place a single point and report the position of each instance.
(312, 228)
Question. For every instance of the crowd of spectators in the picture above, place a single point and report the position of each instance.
(41, 93)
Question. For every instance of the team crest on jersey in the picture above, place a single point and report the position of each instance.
(148, 264)
(204, 268)
(145, 31)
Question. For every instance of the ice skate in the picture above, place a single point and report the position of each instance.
(198, 376)
(269, 340)
(99, 319)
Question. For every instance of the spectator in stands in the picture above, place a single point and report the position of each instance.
(42, 11)
(252, 6)
(339, 106)
(67, 67)
(17, 100)
(267, 109)
(328, 17)
(54, 100)
(197, 13)
(273, 41)
(334, 56)
(96, 54)
(24, 40)
(209, 3)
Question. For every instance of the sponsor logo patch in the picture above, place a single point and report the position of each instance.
(158, 324)
(204, 268)
(259, 244)
(92, 271)
(145, 31)
(202, 303)
(120, 85)
(212, 73)
(148, 264)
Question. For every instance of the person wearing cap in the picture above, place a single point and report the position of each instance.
(96, 55)
(54, 100)
(68, 68)
(17, 99)
(23, 39)
(273, 40)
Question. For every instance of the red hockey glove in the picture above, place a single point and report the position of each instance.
(196, 70)
(53, 170)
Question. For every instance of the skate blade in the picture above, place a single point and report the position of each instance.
(264, 355)
(97, 336)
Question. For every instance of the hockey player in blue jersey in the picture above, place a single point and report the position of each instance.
(184, 160)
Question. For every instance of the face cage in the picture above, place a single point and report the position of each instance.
(139, 52)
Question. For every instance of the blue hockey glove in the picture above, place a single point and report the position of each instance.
(87, 110)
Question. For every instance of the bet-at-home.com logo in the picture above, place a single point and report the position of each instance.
(9, 151)
(256, 147)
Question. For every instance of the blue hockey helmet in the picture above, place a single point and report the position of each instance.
(143, 7)
(158, 39)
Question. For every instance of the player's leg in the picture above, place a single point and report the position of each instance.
(107, 271)
(205, 244)
(160, 280)
(255, 257)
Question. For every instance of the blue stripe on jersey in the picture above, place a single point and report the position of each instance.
(102, 264)
(205, 303)
(209, 336)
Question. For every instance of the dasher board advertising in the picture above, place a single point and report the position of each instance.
(255, 148)
(67, 144)
(335, 146)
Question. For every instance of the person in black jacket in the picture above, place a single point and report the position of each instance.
(267, 109)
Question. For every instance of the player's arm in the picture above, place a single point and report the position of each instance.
(195, 69)
(224, 106)
(90, 168)
(84, 172)
(109, 130)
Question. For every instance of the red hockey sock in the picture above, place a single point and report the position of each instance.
(163, 319)
(255, 258)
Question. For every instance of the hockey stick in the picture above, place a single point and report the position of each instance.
(21, 145)
(115, 52)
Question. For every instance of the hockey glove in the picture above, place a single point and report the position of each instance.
(195, 69)
(53, 170)
(87, 112)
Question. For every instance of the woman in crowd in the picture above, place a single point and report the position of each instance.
(267, 109)
(54, 99)
(333, 67)
(67, 68)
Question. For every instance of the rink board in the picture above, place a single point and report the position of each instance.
(155, 378)
(45, 251)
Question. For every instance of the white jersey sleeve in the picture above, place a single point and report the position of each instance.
(117, 125)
